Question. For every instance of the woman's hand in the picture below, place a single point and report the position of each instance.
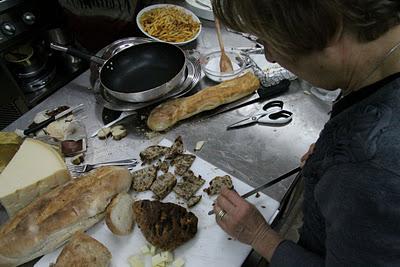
(244, 222)
(305, 157)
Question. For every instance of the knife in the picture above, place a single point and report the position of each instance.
(43, 124)
(266, 185)
(264, 93)
(120, 118)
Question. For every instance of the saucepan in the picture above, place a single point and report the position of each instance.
(139, 73)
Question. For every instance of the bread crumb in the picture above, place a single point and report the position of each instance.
(151, 135)
(104, 133)
(118, 132)
(199, 145)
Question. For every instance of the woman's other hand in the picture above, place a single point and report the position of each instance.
(244, 222)
(305, 157)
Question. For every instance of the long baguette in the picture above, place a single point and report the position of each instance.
(169, 113)
(50, 220)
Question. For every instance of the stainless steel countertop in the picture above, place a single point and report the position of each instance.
(255, 154)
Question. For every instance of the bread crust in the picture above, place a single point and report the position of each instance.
(84, 251)
(50, 220)
(109, 221)
(217, 183)
(169, 113)
(165, 225)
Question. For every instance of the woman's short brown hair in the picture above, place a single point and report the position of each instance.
(303, 26)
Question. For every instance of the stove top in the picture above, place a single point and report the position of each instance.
(19, 18)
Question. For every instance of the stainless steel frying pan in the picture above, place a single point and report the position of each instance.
(139, 73)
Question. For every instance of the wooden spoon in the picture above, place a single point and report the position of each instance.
(225, 63)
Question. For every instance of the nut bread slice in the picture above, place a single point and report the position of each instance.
(182, 163)
(193, 201)
(143, 178)
(217, 183)
(163, 185)
(153, 153)
(119, 214)
(83, 251)
(176, 149)
(189, 185)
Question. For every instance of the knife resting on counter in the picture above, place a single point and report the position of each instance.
(266, 185)
(43, 124)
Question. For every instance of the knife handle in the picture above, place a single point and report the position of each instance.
(39, 126)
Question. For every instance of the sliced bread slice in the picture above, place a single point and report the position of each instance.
(84, 251)
(119, 214)
(163, 185)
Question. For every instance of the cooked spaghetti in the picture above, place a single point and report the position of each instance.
(169, 24)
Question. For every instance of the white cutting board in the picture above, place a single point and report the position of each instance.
(210, 247)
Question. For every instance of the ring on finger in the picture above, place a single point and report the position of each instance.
(221, 214)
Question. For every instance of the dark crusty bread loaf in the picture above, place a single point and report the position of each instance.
(54, 217)
(165, 225)
(83, 251)
(170, 112)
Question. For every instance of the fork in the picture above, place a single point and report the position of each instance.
(88, 167)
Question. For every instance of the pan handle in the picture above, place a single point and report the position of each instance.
(75, 52)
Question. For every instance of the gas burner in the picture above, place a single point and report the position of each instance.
(193, 76)
(39, 81)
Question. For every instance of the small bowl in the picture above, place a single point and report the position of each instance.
(184, 10)
(210, 66)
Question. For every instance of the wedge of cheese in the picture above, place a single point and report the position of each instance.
(34, 170)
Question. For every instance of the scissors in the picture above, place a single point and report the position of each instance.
(273, 115)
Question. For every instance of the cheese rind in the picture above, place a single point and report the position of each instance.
(34, 170)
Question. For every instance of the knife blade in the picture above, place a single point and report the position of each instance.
(264, 93)
(43, 124)
(120, 118)
(266, 185)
